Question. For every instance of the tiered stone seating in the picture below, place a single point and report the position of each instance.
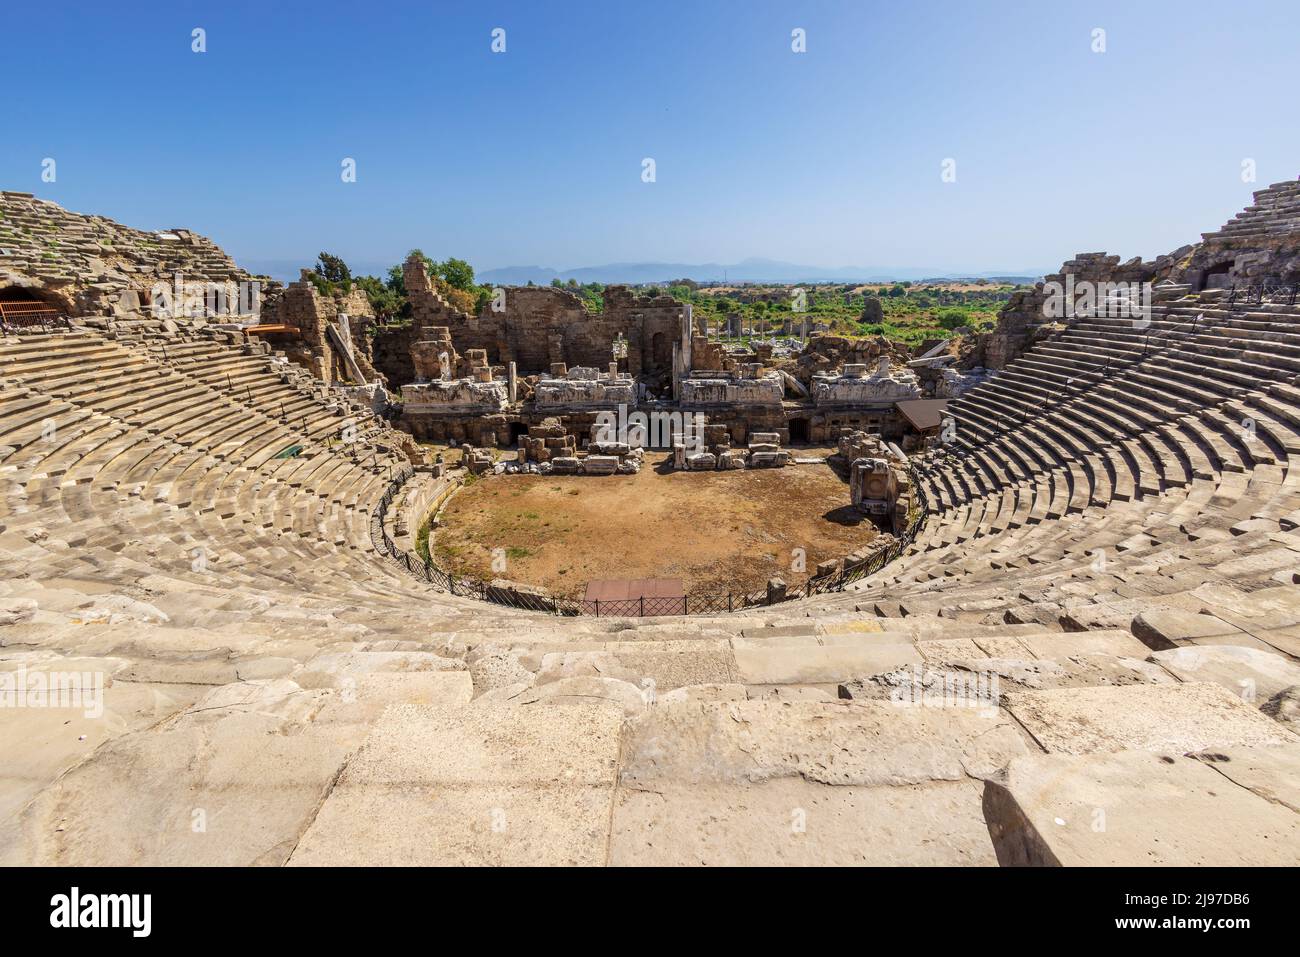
(1182, 438)
(1117, 552)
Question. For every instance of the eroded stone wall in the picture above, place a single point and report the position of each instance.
(539, 326)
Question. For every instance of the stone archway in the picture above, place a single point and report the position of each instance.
(32, 304)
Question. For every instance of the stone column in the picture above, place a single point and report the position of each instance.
(776, 588)
(677, 371)
(687, 330)
(512, 383)
(613, 371)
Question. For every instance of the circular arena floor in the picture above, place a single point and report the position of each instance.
(722, 531)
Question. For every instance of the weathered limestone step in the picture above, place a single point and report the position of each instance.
(478, 785)
(1253, 675)
(790, 821)
(1156, 717)
(1143, 809)
(662, 665)
(848, 743)
(139, 800)
(1044, 661)
(819, 659)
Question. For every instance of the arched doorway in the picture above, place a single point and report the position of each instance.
(26, 307)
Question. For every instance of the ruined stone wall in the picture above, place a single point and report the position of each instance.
(308, 313)
(391, 351)
(651, 326)
(539, 326)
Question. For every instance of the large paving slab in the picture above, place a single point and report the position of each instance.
(1165, 628)
(1134, 809)
(868, 743)
(1272, 773)
(529, 784)
(1251, 674)
(663, 665)
(1159, 717)
(790, 821)
(1047, 660)
(795, 659)
(228, 788)
(40, 738)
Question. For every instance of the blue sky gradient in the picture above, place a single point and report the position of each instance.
(533, 157)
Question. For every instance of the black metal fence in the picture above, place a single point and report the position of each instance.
(692, 603)
(1243, 297)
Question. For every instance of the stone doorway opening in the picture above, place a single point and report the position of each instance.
(799, 431)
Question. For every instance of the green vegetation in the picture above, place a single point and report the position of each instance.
(906, 312)
(453, 279)
(422, 539)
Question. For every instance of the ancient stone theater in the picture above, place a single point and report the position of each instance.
(1071, 636)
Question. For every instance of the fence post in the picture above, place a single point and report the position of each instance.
(642, 615)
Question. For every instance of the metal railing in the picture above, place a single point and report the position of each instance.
(1243, 297)
(27, 316)
(692, 603)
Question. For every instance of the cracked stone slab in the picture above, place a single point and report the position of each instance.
(1272, 773)
(1134, 809)
(1157, 717)
(139, 800)
(818, 663)
(793, 822)
(1251, 674)
(503, 784)
(866, 743)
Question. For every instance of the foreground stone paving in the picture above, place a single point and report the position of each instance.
(1091, 656)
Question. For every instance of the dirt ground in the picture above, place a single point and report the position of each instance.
(723, 531)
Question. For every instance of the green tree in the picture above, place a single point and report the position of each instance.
(334, 271)
(952, 319)
(457, 273)
(384, 301)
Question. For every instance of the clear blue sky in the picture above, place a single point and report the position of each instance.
(533, 157)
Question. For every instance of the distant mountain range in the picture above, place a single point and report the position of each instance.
(748, 270)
